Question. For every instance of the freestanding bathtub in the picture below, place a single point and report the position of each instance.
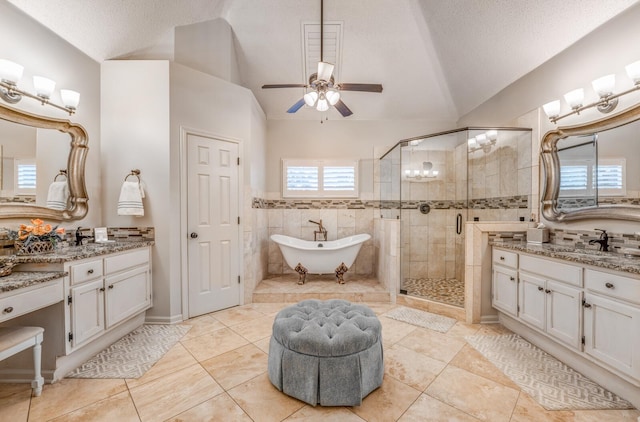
(320, 257)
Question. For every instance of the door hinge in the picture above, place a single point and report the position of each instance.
(238, 160)
(70, 336)
(518, 308)
(69, 300)
(238, 220)
(583, 340)
(238, 279)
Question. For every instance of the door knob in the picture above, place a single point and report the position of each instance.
(194, 235)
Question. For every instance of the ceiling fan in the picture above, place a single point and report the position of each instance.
(324, 92)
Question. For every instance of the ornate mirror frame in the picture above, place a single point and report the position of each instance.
(78, 199)
(551, 165)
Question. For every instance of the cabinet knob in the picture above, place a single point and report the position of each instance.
(101, 289)
(8, 310)
(111, 286)
(502, 258)
(90, 271)
(540, 288)
(586, 305)
(547, 291)
(511, 278)
(609, 285)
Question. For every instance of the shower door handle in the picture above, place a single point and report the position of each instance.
(459, 224)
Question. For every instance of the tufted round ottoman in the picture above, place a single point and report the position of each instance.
(327, 353)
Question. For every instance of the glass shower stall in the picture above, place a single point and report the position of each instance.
(435, 183)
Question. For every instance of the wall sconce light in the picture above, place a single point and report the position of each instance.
(603, 86)
(425, 173)
(10, 75)
(484, 141)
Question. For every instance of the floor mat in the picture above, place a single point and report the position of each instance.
(550, 382)
(133, 354)
(421, 318)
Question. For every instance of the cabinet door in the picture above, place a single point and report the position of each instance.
(127, 294)
(532, 300)
(611, 334)
(505, 290)
(564, 313)
(87, 311)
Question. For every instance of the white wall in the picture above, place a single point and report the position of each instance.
(41, 52)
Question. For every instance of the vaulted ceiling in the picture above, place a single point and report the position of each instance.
(436, 59)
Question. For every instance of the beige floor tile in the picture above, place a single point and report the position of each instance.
(172, 394)
(433, 344)
(433, 410)
(213, 344)
(71, 394)
(630, 415)
(175, 359)
(412, 368)
(237, 366)
(268, 297)
(393, 331)
(324, 414)
(473, 361)
(462, 329)
(262, 401)
(480, 397)
(256, 329)
(528, 410)
(201, 325)
(14, 401)
(382, 308)
(269, 308)
(220, 408)
(237, 315)
(115, 408)
(263, 344)
(388, 402)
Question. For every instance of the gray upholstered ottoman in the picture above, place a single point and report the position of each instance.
(327, 353)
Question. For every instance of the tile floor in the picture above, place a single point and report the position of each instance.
(218, 372)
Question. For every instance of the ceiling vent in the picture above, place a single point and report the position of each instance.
(311, 46)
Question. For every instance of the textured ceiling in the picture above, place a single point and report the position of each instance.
(436, 59)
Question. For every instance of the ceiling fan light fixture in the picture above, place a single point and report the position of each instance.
(310, 98)
(323, 105)
(333, 97)
(324, 71)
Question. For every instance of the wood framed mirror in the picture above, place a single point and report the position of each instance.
(70, 159)
(591, 170)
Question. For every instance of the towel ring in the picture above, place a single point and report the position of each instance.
(61, 173)
(133, 173)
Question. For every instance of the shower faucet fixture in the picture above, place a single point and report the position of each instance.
(321, 231)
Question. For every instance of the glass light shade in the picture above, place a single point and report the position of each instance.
(605, 85)
(425, 173)
(324, 71)
(633, 71)
(481, 139)
(310, 98)
(407, 173)
(472, 143)
(333, 97)
(492, 135)
(322, 105)
(44, 86)
(10, 72)
(416, 173)
(70, 99)
(435, 173)
(574, 98)
(552, 109)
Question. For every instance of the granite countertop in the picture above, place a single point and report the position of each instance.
(74, 253)
(21, 279)
(609, 260)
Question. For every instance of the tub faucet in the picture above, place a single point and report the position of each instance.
(603, 241)
(321, 231)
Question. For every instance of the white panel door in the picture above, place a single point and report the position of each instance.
(213, 224)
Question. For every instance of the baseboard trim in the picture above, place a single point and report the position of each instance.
(489, 319)
(175, 319)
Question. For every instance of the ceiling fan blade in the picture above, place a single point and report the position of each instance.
(285, 86)
(296, 106)
(360, 87)
(343, 109)
(325, 70)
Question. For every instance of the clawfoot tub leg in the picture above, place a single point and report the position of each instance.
(340, 272)
(302, 272)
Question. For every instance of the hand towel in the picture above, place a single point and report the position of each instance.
(58, 195)
(130, 201)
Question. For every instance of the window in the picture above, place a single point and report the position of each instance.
(319, 178)
(581, 178)
(25, 177)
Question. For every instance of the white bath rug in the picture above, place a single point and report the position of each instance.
(550, 382)
(132, 355)
(421, 318)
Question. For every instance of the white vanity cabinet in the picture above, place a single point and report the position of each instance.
(105, 291)
(504, 293)
(612, 320)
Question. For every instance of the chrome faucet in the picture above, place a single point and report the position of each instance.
(603, 241)
(80, 237)
(321, 231)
